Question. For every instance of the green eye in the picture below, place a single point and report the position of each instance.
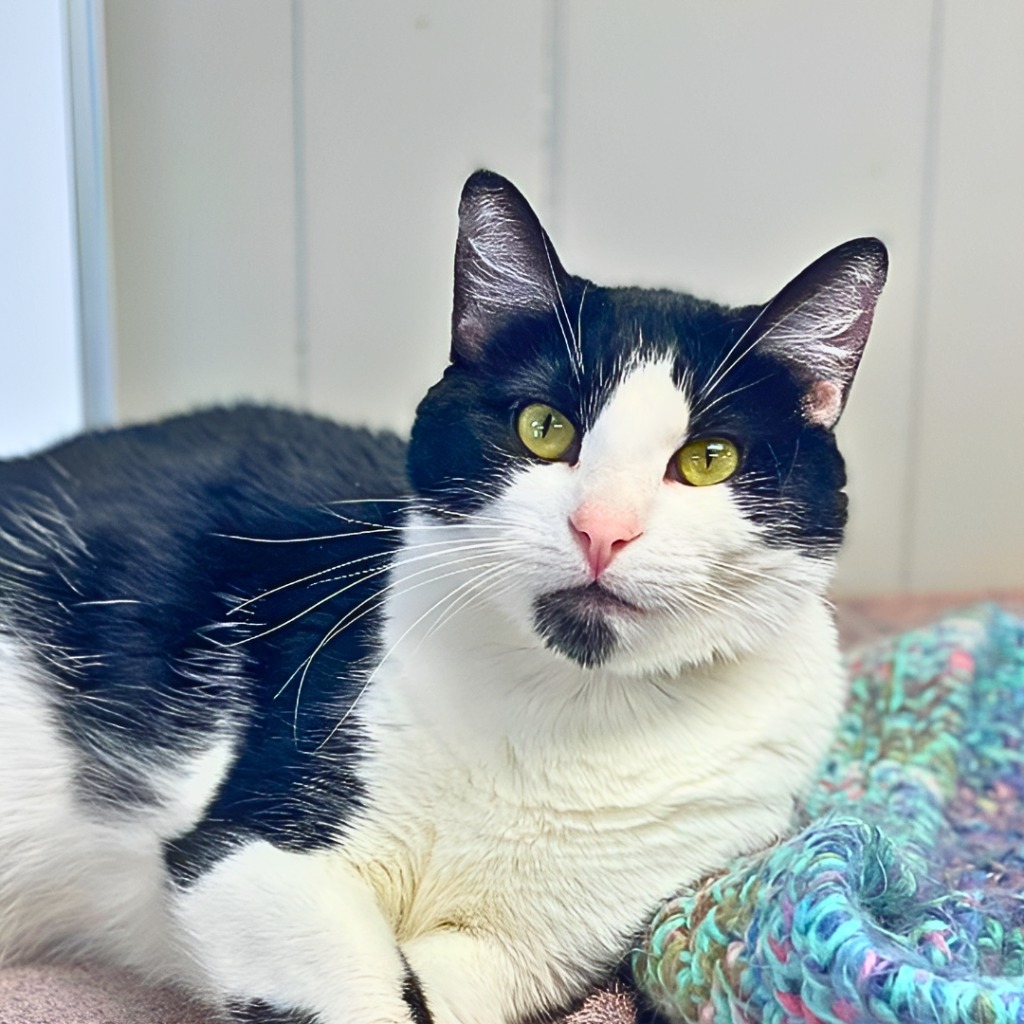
(707, 461)
(545, 431)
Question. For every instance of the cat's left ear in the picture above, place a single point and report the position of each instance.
(504, 263)
(819, 323)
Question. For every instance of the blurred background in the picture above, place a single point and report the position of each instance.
(207, 200)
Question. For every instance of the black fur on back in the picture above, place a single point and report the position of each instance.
(125, 559)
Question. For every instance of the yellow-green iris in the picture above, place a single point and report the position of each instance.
(545, 431)
(707, 461)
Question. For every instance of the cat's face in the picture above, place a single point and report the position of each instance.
(639, 479)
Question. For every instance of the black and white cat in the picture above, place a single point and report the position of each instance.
(336, 728)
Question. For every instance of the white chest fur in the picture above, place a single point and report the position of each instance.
(556, 809)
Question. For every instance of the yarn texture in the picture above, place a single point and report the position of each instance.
(899, 897)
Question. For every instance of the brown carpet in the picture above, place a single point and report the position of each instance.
(82, 995)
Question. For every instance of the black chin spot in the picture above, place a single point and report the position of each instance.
(571, 622)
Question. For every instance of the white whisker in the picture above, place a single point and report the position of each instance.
(564, 324)
(705, 408)
(460, 546)
(371, 603)
(448, 596)
(307, 540)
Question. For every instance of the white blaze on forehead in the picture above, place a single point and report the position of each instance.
(627, 449)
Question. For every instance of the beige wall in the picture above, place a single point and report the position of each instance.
(285, 179)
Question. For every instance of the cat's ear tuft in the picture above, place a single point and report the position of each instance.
(504, 263)
(819, 323)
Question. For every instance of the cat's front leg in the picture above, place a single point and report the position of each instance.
(289, 937)
(478, 978)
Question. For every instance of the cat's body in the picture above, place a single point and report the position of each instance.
(316, 741)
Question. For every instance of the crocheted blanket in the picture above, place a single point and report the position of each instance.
(900, 897)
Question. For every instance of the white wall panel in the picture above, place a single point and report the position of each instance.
(203, 197)
(967, 522)
(403, 101)
(721, 147)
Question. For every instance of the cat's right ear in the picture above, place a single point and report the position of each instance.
(504, 263)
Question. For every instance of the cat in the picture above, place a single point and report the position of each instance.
(330, 727)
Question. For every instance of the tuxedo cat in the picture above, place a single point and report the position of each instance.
(335, 728)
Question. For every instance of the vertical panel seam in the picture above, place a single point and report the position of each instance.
(300, 205)
(552, 135)
(908, 572)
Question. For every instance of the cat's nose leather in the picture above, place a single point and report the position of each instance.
(602, 534)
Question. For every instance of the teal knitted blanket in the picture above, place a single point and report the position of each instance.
(900, 895)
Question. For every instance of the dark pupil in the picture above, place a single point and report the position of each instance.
(711, 452)
(546, 425)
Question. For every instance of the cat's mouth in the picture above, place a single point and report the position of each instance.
(576, 622)
(597, 596)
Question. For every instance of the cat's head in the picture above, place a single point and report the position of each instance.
(639, 479)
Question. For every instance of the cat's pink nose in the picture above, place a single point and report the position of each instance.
(603, 534)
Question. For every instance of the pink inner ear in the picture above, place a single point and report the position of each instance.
(823, 402)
